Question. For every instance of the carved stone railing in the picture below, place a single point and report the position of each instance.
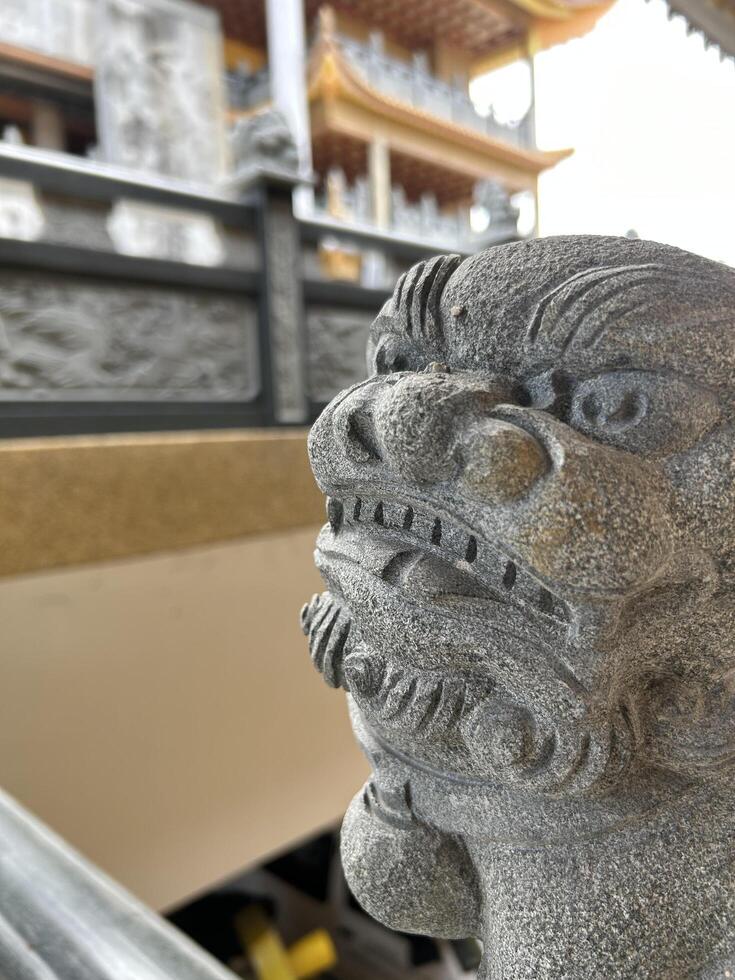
(421, 220)
(530, 599)
(60, 28)
(413, 83)
(158, 86)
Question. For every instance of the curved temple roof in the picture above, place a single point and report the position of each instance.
(715, 19)
(334, 83)
(481, 28)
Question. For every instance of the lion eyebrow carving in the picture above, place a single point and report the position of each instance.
(563, 315)
(414, 307)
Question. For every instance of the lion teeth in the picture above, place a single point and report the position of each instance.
(364, 675)
(334, 657)
(509, 575)
(422, 530)
(422, 704)
(335, 514)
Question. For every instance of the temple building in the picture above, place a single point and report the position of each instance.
(202, 205)
(385, 116)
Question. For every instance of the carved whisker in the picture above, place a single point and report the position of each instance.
(319, 648)
(400, 698)
(329, 625)
(307, 612)
(334, 656)
(321, 614)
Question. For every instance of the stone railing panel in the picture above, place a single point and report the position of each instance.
(69, 339)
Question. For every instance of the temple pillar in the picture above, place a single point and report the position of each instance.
(287, 66)
(532, 46)
(47, 126)
(379, 180)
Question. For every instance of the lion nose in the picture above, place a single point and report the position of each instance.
(420, 422)
(354, 426)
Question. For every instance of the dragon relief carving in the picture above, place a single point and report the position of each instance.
(529, 563)
(76, 340)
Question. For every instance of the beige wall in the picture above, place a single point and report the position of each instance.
(163, 715)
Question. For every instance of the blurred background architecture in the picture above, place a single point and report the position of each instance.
(155, 271)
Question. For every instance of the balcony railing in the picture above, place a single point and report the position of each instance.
(60, 28)
(423, 220)
(411, 82)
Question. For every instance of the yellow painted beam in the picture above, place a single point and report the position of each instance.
(47, 62)
(552, 9)
(70, 500)
(237, 51)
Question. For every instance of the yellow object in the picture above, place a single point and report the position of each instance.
(339, 263)
(309, 957)
(67, 500)
(312, 954)
(236, 53)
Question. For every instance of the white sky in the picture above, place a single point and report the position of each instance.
(651, 116)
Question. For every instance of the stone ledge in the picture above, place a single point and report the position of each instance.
(72, 500)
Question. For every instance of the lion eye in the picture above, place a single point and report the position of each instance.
(388, 363)
(615, 410)
(394, 354)
(641, 411)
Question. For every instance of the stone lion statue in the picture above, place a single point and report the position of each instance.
(531, 605)
(263, 139)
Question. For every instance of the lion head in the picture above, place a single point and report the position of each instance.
(529, 553)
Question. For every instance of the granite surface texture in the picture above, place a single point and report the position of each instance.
(529, 567)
